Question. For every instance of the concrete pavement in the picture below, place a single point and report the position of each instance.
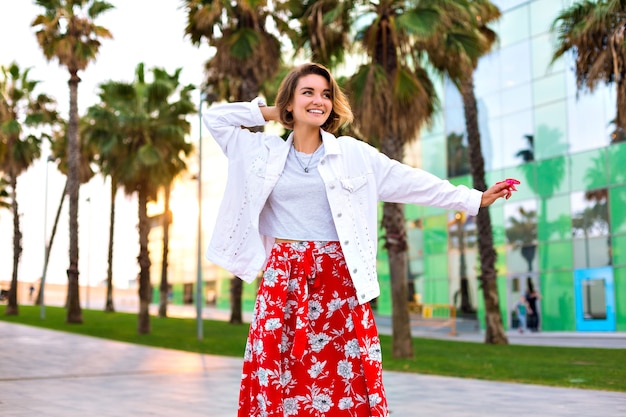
(54, 374)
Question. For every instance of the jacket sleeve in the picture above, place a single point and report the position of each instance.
(225, 122)
(401, 183)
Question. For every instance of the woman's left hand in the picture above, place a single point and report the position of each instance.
(500, 189)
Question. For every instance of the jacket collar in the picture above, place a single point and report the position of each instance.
(331, 146)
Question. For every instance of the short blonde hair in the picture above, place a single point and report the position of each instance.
(339, 116)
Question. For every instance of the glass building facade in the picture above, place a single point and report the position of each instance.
(564, 231)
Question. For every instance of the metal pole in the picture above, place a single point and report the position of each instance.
(42, 306)
(199, 297)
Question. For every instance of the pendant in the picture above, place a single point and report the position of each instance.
(306, 170)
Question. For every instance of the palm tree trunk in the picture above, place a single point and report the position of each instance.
(109, 301)
(145, 290)
(394, 223)
(164, 287)
(12, 307)
(236, 292)
(493, 318)
(49, 246)
(74, 313)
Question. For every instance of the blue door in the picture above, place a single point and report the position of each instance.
(595, 299)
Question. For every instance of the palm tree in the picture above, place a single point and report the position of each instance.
(4, 194)
(152, 127)
(393, 98)
(66, 31)
(247, 55)
(522, 233)
(455, 52)
(323, 30)
(102, 132)
(58, 147)
(594, 33)
(22, 110)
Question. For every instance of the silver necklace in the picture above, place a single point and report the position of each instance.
(305, 168)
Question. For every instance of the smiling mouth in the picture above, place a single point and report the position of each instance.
(315, 111)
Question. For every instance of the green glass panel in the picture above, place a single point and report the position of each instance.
(434, 155)
(465, 180)
(617, 162)
(550, 125)
(383, 302)
(552, 177)
(223, 293)
(435, 235)
(480, 308)
(619, 249)
(248, 296)
(554, 218)
(542, 14)
(413, 211)
(501, 260)
(436, 266)
(619, 279)
(497, 224)
(557, 311)
(430, 291)
(433, 211)
(588, 170)
(501, 285)
(617, 204)
(441, 295)
(527, 175)
(549, 89)
(555, 256)
(542, 55)
(177, 294)
(514, 26)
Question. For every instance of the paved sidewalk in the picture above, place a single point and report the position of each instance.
(44, 373)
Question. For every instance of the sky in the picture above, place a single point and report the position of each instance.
(148, 31)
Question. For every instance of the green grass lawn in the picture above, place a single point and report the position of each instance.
(588, 368)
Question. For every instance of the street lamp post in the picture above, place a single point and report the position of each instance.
(46, 249)
(199, 298)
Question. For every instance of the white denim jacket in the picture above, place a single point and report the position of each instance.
(356, 175)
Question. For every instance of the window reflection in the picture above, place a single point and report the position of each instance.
(462, 240)
(516, 64)
(521, 234)
(594, 299)
(517, 135)
(591, 228)
(458, 158)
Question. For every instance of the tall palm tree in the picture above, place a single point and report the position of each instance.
(455, 51)
(393, 98)
(247, 55)
(102, 131)
(66, 31)
(21, 145)
(324, 29)
(58, 147)
(4, 194)
(152, 127)
(594, 33)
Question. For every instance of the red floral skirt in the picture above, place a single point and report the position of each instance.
(312, 350)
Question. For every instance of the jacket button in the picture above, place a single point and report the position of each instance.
(362, 296)
(354, 271)
(338, 214)
(332, 187)
(346, 242)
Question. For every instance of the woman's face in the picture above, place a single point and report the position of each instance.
(312, 101)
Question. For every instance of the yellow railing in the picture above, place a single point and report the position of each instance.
(433, 315)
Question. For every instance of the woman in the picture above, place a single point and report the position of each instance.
(305, 211)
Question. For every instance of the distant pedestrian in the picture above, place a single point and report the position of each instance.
(532, 296)
(31, 292)
(522, 310)
(306, 208)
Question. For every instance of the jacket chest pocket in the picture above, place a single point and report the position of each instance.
(355, 191)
